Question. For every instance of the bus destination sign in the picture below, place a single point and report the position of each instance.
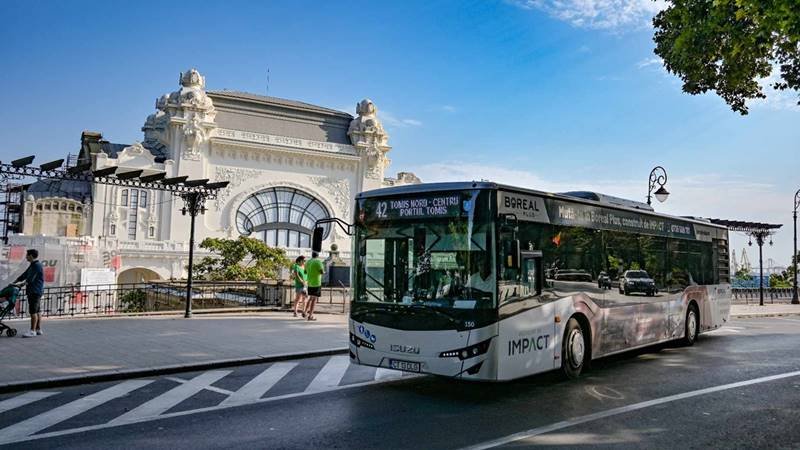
(444, 205)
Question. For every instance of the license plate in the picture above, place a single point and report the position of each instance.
(407, 366)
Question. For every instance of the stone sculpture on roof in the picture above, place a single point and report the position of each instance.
(190, 107)
(368, 136)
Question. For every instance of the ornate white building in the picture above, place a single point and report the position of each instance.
(288, 163)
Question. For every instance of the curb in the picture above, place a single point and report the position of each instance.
(179, 314)
(760, 315)
(162, 370)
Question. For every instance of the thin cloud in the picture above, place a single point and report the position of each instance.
(650, 62)
(614, 15)
(392, 121)
(609, 78)
(448, 108)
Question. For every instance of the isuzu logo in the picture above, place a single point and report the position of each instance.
(404, 349)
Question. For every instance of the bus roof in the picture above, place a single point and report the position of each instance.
(489, 185)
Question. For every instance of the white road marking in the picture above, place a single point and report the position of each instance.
(330, 375)
(622, 410)
(387, 374)
(258, 386)
(185, 413)
(208, 388)
(24, 399)
(27, 427)
(169, 399)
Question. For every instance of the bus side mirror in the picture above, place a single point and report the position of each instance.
(512, 254)
(316, 240)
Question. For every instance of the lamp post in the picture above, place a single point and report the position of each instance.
(760, 236)
(658, 177)
(795, 300)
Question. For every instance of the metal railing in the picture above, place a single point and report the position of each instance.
(747, 295)
(115, 299)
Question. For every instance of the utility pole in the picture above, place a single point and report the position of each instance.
(795, 300)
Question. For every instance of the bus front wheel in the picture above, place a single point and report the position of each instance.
(692, 325)
(573, 350)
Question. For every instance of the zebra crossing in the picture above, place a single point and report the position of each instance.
(42, 414)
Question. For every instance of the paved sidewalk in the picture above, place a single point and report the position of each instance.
(88, 347)
(768, 310)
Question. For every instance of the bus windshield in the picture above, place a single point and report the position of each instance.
(443, 262)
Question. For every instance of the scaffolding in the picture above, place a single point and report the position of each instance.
(10, 208)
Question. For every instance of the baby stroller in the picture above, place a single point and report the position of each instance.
(8, 294)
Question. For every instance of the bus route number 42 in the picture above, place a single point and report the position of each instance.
(380, 210)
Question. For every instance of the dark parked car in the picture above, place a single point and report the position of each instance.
(637, 281)
(603, 281)
(572, 275)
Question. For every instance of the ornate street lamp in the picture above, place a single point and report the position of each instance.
(658, 177)
(760, 232)
(795, 300)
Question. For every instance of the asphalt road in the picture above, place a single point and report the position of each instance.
(738, 387)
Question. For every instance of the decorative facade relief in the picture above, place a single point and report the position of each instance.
(135, 150)
(403, 178)
(194, 135)
(155, 126)
(368, 136)
(339, 190)
(235, 176)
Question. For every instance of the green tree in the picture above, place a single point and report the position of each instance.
(240, 259)
(790, 269)
(779, 281)
(742, 274)
(728, 45)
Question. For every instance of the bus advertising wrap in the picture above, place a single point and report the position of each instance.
(531, 208)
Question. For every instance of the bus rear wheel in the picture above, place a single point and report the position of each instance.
(691, 325)
(573, 350)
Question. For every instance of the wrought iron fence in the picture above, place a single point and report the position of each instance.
(747, 295)
(107, 300)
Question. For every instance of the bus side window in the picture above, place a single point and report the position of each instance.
(531, 276)
(524, 281)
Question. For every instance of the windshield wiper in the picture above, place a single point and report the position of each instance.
(434, 309)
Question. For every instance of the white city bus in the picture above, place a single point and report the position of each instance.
(483, 281)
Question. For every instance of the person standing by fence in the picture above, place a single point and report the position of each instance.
(299, 277)
(314, 269)
(33, 277)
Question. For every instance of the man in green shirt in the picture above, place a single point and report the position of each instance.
(299, 277)
(314, 270)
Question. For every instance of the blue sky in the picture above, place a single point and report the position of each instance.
(555, 95)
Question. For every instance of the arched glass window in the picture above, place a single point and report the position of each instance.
(281, 217)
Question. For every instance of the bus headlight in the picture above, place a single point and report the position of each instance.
(358, 342)
(468, 352)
